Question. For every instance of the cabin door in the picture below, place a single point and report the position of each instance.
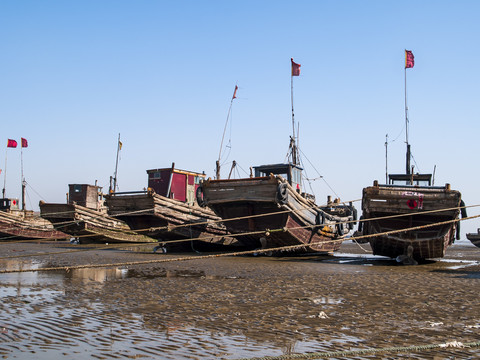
(190, 189)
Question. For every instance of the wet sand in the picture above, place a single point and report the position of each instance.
(234, 307)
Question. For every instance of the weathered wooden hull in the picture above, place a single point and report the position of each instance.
(382, 206)
(88, 224)
(166, 219)
(474, 238)
(267, 212)
(21, 227)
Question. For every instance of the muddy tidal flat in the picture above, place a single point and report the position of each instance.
(234, 307)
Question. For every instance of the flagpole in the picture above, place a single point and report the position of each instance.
(406, 120)
(294, 151)
(5, 174)
(23, 179)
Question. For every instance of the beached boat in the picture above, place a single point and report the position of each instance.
(474, 238)
(168, 211)
(410, 201)
(16, 224)
(397, 206)
(269, 210)
(85, 217)
(22, 224)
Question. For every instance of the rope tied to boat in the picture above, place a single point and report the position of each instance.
(238, 253)
(350, 353)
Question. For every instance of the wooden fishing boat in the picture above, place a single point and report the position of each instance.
(474, 238)
(410, 201)
(269, 210)
(397, 206)
(18, 224)
(85, 217)
(167, 210)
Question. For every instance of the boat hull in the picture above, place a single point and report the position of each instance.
(167, 219)
(267, 212)
(474, 238)
(390, 208)
(89, 225)
(22, 227)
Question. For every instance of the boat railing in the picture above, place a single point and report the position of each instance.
(129, 192)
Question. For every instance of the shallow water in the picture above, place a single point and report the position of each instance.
(234, 308)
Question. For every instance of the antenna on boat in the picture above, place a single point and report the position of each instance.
(217, 172)
(409, 62)
(293, 147)
(386, 159)
(114, 188)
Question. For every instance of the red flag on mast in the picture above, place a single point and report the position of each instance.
(11, 143)
(295, 68)
(235, 92)
(24, 143)
(409, 59)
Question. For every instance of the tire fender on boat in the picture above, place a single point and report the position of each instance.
(463, 212)
(199, 195)
(282, 193)
(340, 229)
(360, 224)
(352, 224)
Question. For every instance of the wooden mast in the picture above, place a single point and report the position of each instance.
(217, 171)
(409, 62)
(23, 179)
(293, 146)
(119, 147)
(5, 174)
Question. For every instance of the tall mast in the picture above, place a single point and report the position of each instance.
(293, 146)
(23, 179)
(409, 62)
(217, 172)
(406, 127)
(5, 175)
(119, 147)
(386, 159)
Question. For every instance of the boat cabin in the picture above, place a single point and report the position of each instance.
(85, 195)
(410, 179)
(291, 172)
(9, 204)
(175, 183)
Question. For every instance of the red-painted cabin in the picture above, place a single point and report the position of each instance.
(174, 183)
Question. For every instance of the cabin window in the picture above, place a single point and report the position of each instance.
(197, 180)
(156, 175)
(267, 173)
(77, 188)
(297, 176)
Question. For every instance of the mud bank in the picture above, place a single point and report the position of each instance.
(233, 307)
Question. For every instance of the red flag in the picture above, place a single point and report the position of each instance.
(235, 92)
(24, 143)
(295, 68)
(409, 59)
(11, 143)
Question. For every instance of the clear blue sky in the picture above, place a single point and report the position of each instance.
(74, 74)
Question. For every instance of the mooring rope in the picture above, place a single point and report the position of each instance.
(171, 227)
(238, 253)
(349, 353)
